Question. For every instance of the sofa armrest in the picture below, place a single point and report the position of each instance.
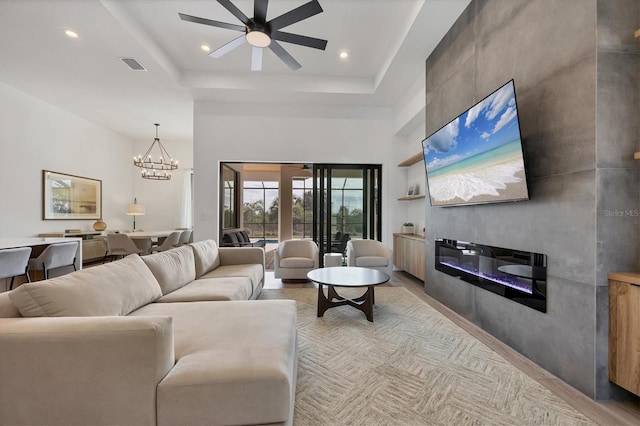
(241, 255)
(83, 370)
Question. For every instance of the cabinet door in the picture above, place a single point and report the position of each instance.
(398, 251)
(624, 335)
(415, 258)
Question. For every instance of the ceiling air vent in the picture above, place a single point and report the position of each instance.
(133, 64)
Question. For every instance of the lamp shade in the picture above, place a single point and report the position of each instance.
(135, 209)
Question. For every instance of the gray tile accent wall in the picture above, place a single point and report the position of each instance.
(617, 173)
(576, 67)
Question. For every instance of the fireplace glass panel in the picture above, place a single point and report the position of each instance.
(515, 274)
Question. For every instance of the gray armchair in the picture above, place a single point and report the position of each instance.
(370, 254)
(294, 258)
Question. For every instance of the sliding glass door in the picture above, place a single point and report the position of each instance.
(346, 205)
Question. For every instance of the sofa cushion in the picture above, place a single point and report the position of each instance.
(252, 271)
(235, 362)
(368, 261)
(210, 289)
(297, 262)
(7, 308)
(230, 239)
(172, 268)
(206, 256)
(243, 237)
(113, 289)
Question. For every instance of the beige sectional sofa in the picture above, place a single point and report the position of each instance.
(168, 339)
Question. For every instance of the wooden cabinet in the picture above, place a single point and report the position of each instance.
(624, 330)
(408, 254)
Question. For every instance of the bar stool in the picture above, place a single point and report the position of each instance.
(15, 262)
(55, 256)
(170, 242)
(120, 245)
(185, 237)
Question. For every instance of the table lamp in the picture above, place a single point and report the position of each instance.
(134, 210)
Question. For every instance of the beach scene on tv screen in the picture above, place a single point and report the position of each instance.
(477, 158)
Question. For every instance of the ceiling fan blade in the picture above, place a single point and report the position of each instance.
(235, 11)
(305, 11)
(256, 59)
(209, 22)
(260, 11)
(284, 55)
(236, 42)
(316, 43)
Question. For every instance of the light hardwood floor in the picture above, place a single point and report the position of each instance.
(606, 413)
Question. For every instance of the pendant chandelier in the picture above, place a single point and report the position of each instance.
(156, 170)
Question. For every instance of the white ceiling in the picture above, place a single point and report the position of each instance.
(387, 41)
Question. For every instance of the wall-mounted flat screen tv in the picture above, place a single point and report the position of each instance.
(477, 158)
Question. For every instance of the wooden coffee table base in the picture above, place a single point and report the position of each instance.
(363, 303)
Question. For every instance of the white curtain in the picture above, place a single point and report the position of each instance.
(186, 212)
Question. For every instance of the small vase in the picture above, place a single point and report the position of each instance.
(99, 225)
(407, 229)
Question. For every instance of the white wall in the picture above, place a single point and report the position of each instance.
(35, 135)
(295, 134)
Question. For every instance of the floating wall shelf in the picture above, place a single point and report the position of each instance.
(411, 197)
(415, 158)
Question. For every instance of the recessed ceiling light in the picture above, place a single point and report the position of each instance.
(344, 55)
(71, 34)
(205, 48)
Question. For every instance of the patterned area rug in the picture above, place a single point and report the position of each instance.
(411, 366)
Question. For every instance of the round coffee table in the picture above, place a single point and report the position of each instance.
(350, 276)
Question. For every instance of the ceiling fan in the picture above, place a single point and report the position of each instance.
(260, 33)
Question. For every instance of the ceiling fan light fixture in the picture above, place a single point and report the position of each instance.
(258, 38)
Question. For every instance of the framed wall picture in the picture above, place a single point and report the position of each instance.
(70, 197)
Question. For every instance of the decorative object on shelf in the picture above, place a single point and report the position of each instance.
(99, 225)
(410, 190)
(156, 170)
(407, 228)
(70, 197)
(134, 210)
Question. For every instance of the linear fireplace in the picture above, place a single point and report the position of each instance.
(517, 275)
